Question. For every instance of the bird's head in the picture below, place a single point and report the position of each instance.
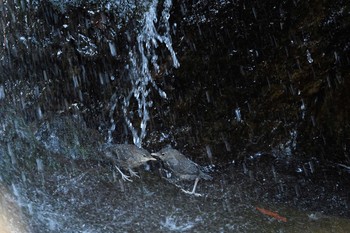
(165, 152)
(159, 155)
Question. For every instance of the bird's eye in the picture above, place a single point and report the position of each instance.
(163, 153)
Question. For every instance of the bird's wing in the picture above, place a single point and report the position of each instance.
(119, 153)
(171, 162)
(187, 167)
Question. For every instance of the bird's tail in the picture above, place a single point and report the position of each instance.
(205, 176)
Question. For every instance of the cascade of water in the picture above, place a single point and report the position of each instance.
(142, 57)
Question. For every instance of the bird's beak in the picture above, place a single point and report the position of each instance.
(148, 159)
(155, 155)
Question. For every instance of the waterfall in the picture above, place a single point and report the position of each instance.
(142, 59)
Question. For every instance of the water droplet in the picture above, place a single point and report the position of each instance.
(311, 165)
(112, 49)
(11, 154)
(2, 92)
(254, 12)
(227, 145)
(208, 96)
(209, 153)
(39, 165)
(15, 190)
(39, 112)
(238, 114)
(336, 57)
(308, 56)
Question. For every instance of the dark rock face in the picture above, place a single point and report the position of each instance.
(261, 72)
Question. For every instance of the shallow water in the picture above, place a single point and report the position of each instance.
(88, 196)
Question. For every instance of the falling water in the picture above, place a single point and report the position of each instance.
(142, 58)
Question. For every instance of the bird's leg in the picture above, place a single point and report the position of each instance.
(132, 173)
(195, 185)
(193, 192)
(124, 177)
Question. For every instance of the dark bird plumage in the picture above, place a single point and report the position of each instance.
(181, 167)
(126, 156)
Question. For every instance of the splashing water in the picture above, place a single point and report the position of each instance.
(140, 57)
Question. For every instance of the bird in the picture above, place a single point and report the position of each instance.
(182, 167)
(126, 156)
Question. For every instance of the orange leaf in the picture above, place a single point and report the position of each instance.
(272, 214)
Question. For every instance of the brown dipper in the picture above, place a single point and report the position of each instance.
(126, 156)
(182, 167)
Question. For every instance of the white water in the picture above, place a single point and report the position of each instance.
(142, 59)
